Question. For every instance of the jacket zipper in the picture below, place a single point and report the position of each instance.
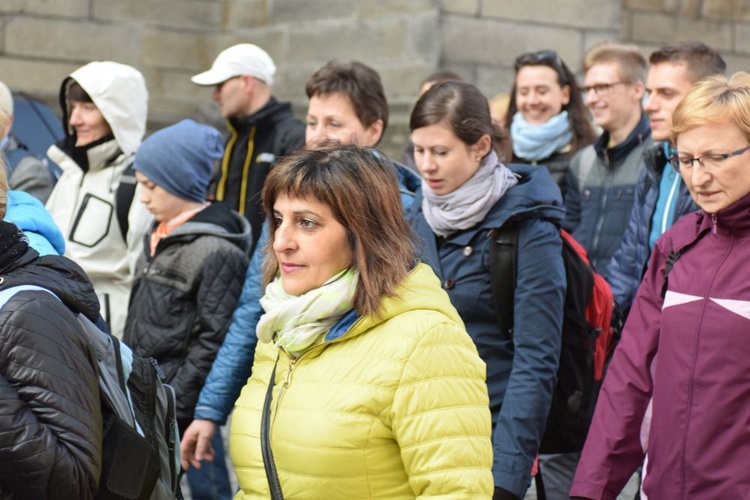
(603, 203)
(293, 362)
(714, 227)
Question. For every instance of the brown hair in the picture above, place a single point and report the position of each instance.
(357, 81)
(464, 109)
(360, 186)
(714, 100)
(700, 59)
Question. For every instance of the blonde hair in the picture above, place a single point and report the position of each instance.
(630, 61)
(714, 99)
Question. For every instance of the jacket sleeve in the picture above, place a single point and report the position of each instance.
(293, 137)
(613, 448)
(538, 312)
(624, 271)
(233, 363)
(50, 443)
(444, 437)
(572, 200)
(221, 284)
(33, 177)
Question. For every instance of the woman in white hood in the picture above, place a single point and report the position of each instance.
(104, 106)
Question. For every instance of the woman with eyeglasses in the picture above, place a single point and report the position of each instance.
(686, 343)
(547, 118)
(467, 193)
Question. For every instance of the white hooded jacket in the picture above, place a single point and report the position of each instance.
(82, 203)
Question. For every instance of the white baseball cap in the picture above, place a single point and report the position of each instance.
(241, 59)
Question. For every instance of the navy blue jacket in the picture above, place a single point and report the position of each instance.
(521, 371)
(601, 190)
(627, 266)
(234, 361)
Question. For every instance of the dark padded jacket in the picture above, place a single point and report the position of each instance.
(521, 370)
(557, 165)
(255, 144)
(50, 416)
(627, 266)
(601, 190)
(184, 296)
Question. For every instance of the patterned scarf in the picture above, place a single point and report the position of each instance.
(298, 322)
(468, 205)
(537, 142)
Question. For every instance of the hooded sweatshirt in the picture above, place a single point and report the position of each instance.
(83, 202)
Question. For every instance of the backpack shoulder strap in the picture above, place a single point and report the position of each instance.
(124, 198)
(7, 293)
(671, 259)
(503, 267)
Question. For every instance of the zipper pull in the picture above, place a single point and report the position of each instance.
(288, 379)
(713, 223)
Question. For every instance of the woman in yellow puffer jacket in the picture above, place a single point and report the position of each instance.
(377, 389)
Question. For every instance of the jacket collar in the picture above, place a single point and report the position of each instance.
(637, 136)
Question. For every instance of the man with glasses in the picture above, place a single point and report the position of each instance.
(602, 177)
(262, 128)
(661, 197)
(601, 183)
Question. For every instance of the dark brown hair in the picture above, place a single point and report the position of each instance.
(360, 186)
(464, 108)
(357, 81)
(76, 93)
(700, 59)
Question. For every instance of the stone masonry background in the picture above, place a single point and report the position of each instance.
(41, 41)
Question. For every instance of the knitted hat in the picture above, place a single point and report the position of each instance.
(180, 158)
(241, 59)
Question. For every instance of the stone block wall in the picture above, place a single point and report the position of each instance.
(169, 40)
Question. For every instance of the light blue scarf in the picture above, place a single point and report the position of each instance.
(537, 142)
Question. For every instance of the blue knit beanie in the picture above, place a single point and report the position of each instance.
(180, 158)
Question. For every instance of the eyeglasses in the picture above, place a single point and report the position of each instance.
(601, 89)
(711, 162)
(541, 58)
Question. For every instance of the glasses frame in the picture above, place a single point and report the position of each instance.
(602, 89)
(676, 161)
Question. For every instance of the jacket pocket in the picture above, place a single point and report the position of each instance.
(92, 222)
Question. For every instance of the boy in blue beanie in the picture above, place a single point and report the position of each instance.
(190, 275)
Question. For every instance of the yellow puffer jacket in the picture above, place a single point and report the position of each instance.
(396, 407)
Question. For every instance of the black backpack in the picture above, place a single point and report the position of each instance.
(140, 453)
(587, 338)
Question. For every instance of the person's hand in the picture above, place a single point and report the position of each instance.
(196, 443)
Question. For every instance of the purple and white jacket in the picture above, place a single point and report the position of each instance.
(699, 437)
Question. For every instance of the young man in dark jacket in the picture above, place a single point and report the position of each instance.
(661, 197)
(190, 274)
(50, 413)
(602, 177)
(262, 128)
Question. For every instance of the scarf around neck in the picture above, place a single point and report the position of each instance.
(468, 205)
(538, 141)
(296, 322)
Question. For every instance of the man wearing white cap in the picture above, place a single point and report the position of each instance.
(262, 128)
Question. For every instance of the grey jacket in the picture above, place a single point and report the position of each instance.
(601, 189)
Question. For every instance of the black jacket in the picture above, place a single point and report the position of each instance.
(256, 142)
(183, 298)
(50, 416)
